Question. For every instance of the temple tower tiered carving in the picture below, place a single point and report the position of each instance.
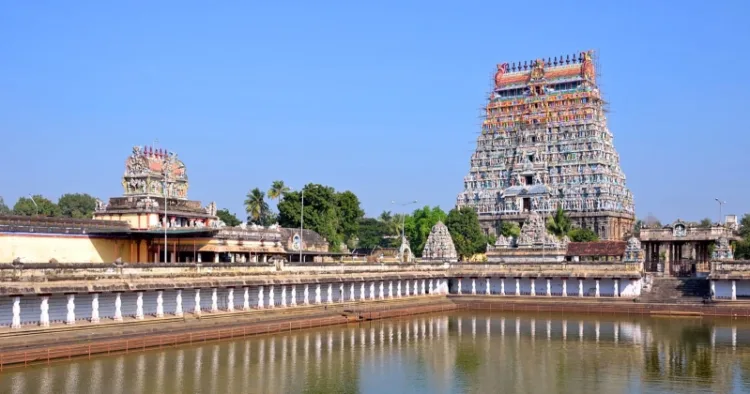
(545, 144)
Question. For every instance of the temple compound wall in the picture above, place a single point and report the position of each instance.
(545, 145)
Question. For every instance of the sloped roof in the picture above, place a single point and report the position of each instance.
(598, 248)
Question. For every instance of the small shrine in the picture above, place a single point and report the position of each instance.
(723, 250)
(534, 244)
(439, 245)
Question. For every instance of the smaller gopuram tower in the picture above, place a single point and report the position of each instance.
(153, 178)
(545, 144)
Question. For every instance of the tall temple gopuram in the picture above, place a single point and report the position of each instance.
(544, 144)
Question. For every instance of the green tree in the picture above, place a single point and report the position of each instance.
(322, 213)
(745, 226)
(278, 189)
(559, 223)
(4, 210)
(77, 205)
(637, 228)
(463, 224)
(419, 224)
(228, 218)
(372, 233)
(256, 207)
(350, 213)
(705, 223)
(26, 206)
(582, 235)
(509, 229)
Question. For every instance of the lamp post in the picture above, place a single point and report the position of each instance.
(165, 190)
(301, 221)
(36, 206)
(403, 221)
(721, 203)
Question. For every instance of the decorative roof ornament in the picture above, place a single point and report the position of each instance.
(633, 252)
(723, 250)
(154, 173)
(404, 251)
(439, 245)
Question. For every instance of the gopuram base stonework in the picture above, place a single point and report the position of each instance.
(545, 144)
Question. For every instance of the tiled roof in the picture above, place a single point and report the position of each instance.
(598, 248)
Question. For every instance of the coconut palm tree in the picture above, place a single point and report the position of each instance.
(559, 223)
(277, 190)
(255, 205)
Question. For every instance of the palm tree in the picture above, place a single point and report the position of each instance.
(255, 205)
(278, 189)
(559, 223)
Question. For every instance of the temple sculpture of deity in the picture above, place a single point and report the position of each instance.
(439, 245)
(545, 144)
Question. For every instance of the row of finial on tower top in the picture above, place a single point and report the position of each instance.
(150, 151)
(528, 65)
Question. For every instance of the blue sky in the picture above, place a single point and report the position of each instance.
(381, 98)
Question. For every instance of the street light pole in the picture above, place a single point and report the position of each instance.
(36, 206)
(301, 222)
(721, 203)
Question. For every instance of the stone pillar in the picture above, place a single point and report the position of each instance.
(549, 288)
(44, 308)
(734, 290)
(430, 286)
(71, 316)
(416, 287)
(580, 287)
(518, 286)
(342, 292)
(260, 297)
(283, 296)
(271, 298)
(246, 299)
(487, 287)
(199, 258)
(214, 300)
(16, 321)
(160, 303)
(390, 289)
(230, 299)
(381, 294)
(473, 286)
(362, 293)
(597, 289)
(178, 304)
(459, 286)
(398, 289)
(407, 288)
(118, 307)
(533, 287)
(565, 287)
(617, 287)
(317, 293)
(330, 293)
(306, 295)
(502, 286)
(352, 294)
(139, 306)
(94, 308)
(372, 290)
(713, 289)
(197, 308)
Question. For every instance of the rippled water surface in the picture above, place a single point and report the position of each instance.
(454, 353)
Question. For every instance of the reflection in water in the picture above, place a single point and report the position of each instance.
(460, 352)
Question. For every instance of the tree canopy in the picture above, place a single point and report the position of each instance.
(335, 216)
(77, 205)
(742, 247)
(4, 210)
(257, 208)
(228, 218)
(705, 223)
(582, 235)
(372, 233)
(463, 225)
(28, 207)
(419, 224)
(559, 223)
(278, 189)
(510, 229)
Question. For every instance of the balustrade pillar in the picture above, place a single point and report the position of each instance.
(44, 308)
(95, 308)
(261, 301)
(473, 286)
(214, 300)
(713, 289)
(408, 283)
(283, 296)
(416, 287)
(734, 290)
(549, 287)
(230, 299)
(424, 286)
(518, 286)
(533, 286)
(271, 298)
(197, 307)
(118, 307)
(139, 306)
(352, 294)
(70, 318)
(398, 289)
(430, 287)
(246, 299)
(502, 286)
(342, 292)
(617, 287)
(159, 303)
(459, 286)
(306, 295)
(362, 293)
(580, 287)
(487, 287)
(381, 295)
(16, 321)
(372, 290)
(390, 289)
(330, 293)
(178, 303)
(597, 289)
(317, 294)
(565, 287)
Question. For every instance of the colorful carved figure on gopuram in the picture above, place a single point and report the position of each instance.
(147, 170)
